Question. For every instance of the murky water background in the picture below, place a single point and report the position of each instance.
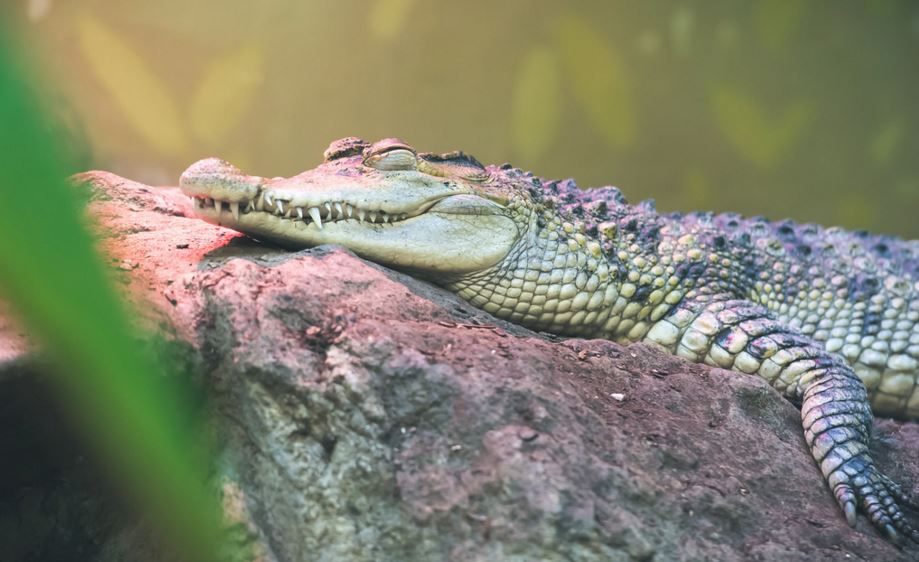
(802, 109)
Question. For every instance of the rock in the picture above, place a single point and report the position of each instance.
(366, 415)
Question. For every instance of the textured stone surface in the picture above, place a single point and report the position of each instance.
(366, 415)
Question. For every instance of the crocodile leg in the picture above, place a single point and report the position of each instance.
(743, 336)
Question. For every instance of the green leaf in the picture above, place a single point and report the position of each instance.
(57, 284)
(599, 80)
(535, 106)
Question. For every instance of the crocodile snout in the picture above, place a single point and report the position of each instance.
(218, 179)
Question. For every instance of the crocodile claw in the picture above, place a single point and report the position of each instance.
(861, 484)
(897, 492)
(847, 504)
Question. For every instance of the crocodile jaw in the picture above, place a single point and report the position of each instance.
(398, 222)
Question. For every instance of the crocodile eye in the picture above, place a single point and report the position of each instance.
(398, 159)
(452, 164)
(391, 154)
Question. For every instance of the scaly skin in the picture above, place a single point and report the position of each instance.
(830, 318)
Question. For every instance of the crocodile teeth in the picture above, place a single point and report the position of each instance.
(234, 208)
(300, 213)
(373, 216)
(328, 211)
(314, 214)
(349, 210)
(280, 205)
(250, 206)
(267, 199)
(385, 217)
(339, 210)
(361, 215)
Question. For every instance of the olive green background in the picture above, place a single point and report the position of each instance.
(802, 109)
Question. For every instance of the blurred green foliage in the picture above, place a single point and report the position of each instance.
(761, 138)
(599, 81)
(56, 282)
(803, 109)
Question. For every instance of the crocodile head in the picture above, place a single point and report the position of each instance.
(386, 202)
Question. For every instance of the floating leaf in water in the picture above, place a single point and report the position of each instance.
(763, 139)
(225, 92)
(388, 17)
(599, 80)
(535, 110)
(777, 20)
(885, 142)
(135, 88)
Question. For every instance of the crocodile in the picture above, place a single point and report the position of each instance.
(830, 318)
